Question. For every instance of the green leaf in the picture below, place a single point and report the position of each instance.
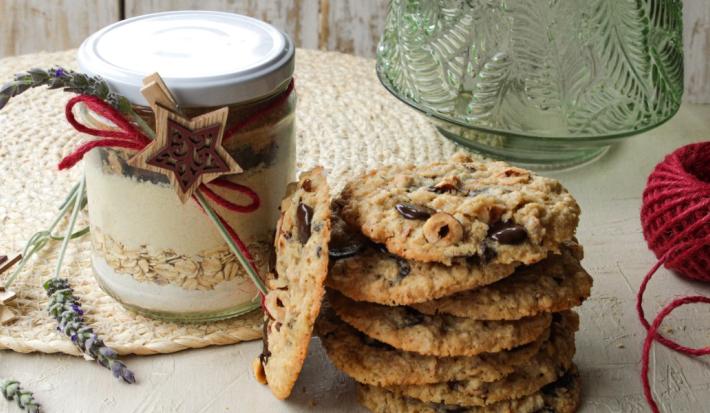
(38, 75)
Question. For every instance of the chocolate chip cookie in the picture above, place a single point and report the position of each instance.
(462, 208)
(365, 271)
(296, 284)
(373, 362)
(548, 365)
(554, 284)
(441, 335)
(562, 396)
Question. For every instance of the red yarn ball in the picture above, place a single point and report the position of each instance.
(675, 215)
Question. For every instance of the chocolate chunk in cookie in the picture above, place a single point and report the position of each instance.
(296, 283)
(460, 208)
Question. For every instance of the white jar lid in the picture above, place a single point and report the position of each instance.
(206, 58)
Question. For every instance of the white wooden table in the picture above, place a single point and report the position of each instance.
(608, 349)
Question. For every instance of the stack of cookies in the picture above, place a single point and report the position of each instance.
(450, 289)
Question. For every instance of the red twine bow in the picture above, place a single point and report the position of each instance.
(128, 136)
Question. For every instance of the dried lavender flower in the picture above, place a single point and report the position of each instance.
(64, 306)
(70, 81)
(12, 390)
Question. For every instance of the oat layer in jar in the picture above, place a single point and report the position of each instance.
(152, 252)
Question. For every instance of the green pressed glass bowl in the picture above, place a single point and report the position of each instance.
(543, 83)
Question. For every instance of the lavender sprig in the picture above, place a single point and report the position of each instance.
(70, 81)
(12, 390)
(66, 309)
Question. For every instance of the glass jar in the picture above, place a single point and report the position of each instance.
(152, 253)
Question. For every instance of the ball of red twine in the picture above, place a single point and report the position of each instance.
(676, 211)
(675, 217)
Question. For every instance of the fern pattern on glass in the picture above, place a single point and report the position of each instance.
(538, 67)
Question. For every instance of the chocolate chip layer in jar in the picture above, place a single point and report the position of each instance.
(153, 253)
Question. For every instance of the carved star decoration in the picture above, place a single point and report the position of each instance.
(188, 151)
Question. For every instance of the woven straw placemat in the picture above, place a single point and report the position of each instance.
(346, 121)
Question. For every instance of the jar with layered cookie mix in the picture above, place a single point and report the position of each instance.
(152, 252)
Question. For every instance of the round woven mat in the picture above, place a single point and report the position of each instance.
(346, 122)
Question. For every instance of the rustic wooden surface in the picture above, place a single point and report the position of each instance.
(353, 26)
(696, 44)
(28, 26)
(346, 26)
(298, 18)
(349, 26)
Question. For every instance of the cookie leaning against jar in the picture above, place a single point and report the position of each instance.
(296, 284)
(461, 208)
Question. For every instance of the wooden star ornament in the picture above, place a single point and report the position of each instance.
(188, 151)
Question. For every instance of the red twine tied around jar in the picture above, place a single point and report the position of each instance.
(128, 136)
(675, 217)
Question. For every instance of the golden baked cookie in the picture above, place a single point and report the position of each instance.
(296, 284)
(370, 361)
(441, 335)
(465, 207)
(554, 284)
